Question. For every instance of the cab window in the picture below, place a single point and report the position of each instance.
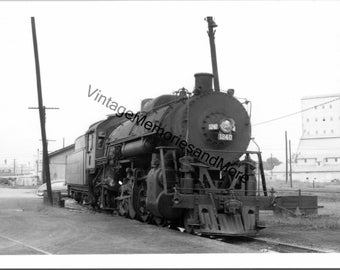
(90, 142)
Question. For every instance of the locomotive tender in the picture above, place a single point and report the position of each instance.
(182, 160)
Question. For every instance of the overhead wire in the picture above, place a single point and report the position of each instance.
(298, 112)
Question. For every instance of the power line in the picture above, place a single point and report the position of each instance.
(304, 110)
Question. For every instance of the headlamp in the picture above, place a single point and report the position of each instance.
(226, 126)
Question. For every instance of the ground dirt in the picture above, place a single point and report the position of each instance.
(321, 231)
(29, 227)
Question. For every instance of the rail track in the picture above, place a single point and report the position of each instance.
(257, 243)
(269, 245)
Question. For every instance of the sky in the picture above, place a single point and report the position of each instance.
(272, 53)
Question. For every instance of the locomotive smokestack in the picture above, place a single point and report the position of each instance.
(211, 34)
(203, 82)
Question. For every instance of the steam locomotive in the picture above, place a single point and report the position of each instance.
(182, 161)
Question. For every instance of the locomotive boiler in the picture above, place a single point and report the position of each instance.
(182, 160)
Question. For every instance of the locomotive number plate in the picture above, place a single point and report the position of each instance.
(225, 137)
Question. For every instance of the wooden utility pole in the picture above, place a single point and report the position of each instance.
(42, 115)
(290, 166)
(43, 170)
(286, 157)
(38, 165)
(14, 167)
(211, 34)
(271, 164)
(43, 176)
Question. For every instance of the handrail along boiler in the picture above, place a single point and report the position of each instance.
(200, 176)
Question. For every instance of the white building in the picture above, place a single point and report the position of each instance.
(318, 154)
(58, 162)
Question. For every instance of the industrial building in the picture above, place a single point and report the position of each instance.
(318, 154)
(58, 162)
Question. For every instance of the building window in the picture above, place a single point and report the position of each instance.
(316, 132)
(305, 160)
(336, 159)
(332, 131)
(316, 119)
(324, 132)
(326, 159)
(324, 119)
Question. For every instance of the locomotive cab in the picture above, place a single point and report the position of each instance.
(82, 165)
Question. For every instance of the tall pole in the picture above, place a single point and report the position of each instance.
(271, 164)
(290, 166)
(286, 157)
(14, 167)
(38, 165)
(42, 116)
(37, 171)
(211, 34)
(43, 177)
